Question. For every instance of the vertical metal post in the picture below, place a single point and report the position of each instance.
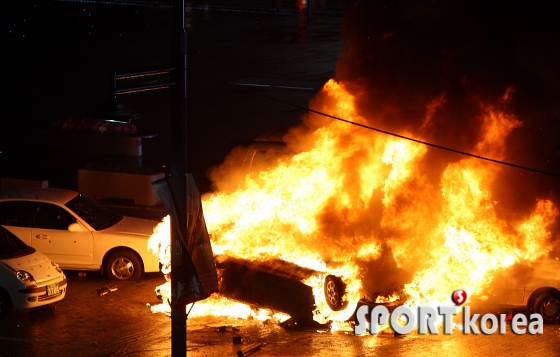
(178, 179)
(114, 86)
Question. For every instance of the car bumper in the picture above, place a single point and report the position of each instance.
(40, 294)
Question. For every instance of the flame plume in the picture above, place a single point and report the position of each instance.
(348, 194)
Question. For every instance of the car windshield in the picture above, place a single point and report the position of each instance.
(11, 246)
(96, 215)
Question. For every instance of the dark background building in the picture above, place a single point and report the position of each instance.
(58, 60)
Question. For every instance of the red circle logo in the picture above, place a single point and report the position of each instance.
(459, 297)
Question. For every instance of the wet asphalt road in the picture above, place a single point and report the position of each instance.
(120, 324)
(86, 324)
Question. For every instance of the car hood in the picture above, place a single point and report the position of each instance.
(36, 264)
(134, 226)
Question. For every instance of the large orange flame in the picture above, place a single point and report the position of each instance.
(349, 191)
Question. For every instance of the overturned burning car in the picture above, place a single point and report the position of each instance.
(277, 285)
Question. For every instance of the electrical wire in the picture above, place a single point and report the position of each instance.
(334, 117)
(368, 127)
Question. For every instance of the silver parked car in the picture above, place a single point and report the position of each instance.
(27, 278)
(79, 233)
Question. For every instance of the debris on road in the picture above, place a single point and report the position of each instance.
(247, 350)
(106, 290)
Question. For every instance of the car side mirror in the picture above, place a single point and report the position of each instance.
(75, 227)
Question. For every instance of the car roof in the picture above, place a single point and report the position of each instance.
(273, 135)
(54, 195)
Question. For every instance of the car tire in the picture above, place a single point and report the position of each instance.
(335, 289)
(123, 265)
(5, 302)
(548, 306)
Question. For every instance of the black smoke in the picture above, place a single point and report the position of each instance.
(402, 55)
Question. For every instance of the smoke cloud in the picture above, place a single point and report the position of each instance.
(425, 67)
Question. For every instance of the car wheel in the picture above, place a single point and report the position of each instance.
(5, 302)
(123, 265)
(548, 306)
(334, 291)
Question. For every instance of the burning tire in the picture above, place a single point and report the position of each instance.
(548, 306)
(335, 289)
(123, 265)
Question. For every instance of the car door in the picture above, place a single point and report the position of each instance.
(50, 235)
(508, 286)
(16, 216)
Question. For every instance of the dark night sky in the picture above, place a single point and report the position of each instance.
(57, 56)
(408, 52)
(53, 51)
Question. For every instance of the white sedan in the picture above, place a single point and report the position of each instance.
(78, 233)
(27, 278)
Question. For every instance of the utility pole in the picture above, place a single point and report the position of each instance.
(178, 180)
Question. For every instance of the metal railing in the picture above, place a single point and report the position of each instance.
(142, 81)
(279, 7)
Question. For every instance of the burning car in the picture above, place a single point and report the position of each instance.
(272, 284)
(535, 288)
(543, 285)
(265, 149)
(277, 285)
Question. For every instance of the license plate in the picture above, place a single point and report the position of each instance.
(52, 289)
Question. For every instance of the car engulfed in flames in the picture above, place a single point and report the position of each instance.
(431, 145)
(346, 195)
(277, 285)
(264, 289)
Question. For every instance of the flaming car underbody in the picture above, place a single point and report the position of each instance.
(276, 285)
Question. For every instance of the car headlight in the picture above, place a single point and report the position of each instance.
(24, 276)
(56, 267)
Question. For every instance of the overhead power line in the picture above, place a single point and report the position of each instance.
(368, 127)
